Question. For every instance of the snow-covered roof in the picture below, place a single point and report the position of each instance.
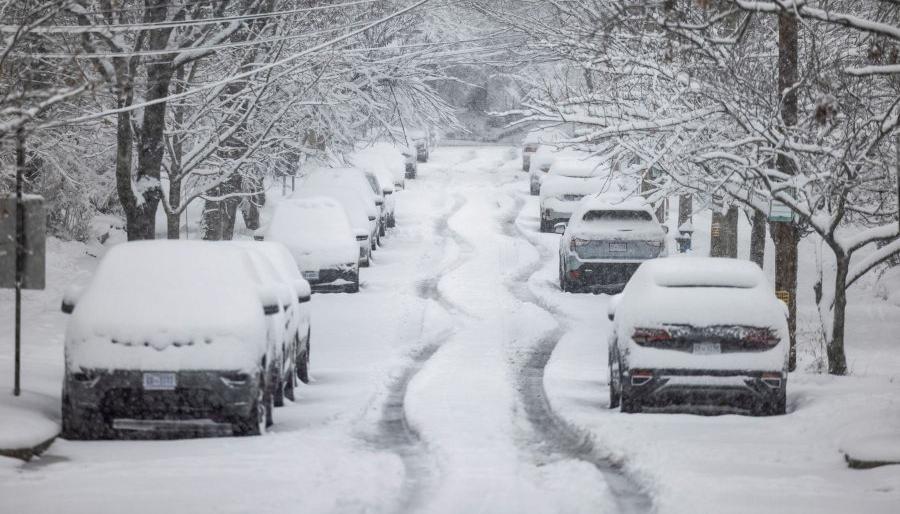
(352, 201)
(574, 165)
(706, 272)
(316, 230)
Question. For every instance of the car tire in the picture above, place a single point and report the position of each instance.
(615, 396)
(364, 263)
(544, 226)
(277, 381)
(391, 222)
(256, 421)
(303, 361)
(777, 407)
(535, 190)
(291, 382)
(381, 230)
(82, 425)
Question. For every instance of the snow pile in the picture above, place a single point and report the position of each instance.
(881, 449)
(316, 231)
(27, 421)
(163, 304)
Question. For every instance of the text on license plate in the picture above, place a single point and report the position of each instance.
(159, 381)
(311, 275)
(618, 247)
(707, 348)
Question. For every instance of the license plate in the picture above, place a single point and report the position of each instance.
(618, 247)
(159, 381)
(311, 275)
(707, 348)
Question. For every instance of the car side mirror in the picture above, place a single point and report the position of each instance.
(386, 192)
(259, 234)
(304, 292)
(559, 228)
(361, 235)
(665, 229)
(268, 296)
(70, 299)
(612, 306)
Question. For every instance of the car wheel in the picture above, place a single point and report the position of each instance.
(82, 425)
(382, 231)
(277, 381)
(291, 381)
(364, 262)
(535, 190)
(391, 223)
(303, 361)
(777, 407)
(614, 385)
(544, 226)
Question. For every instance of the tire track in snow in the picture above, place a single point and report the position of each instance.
(554, 436)
(393, 431)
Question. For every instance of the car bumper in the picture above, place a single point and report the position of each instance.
(333, 279)
(712, 389)
(201, 398)
(598, 275)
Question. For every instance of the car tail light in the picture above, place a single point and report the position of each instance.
(644, 336)
(760, 337)
(575, 243)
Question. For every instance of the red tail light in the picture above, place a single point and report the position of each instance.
(760, 337)
(642, 335)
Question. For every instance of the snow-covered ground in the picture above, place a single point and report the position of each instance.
(430, 393)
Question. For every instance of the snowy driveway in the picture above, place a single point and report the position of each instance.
(429, 396)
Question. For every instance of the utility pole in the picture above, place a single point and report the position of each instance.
(785, 234)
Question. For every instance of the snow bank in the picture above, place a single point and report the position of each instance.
(27, 421)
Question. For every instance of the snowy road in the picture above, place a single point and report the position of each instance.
(459, 380)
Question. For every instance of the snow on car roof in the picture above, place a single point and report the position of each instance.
(614, 202)
(705, 272)
(314, 229)
(573, 165)
(352, 201)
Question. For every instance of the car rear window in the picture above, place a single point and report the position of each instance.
(615, 215)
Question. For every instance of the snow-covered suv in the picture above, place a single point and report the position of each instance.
(169, 336)
(705, 332)
(605, 241)
(571, 178)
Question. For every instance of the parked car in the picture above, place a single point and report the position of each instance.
(530, 145)
(382, 157)
(418, 139)
(707, 333)
(321, 240)
(380, 193)
(605, 241)
(297, 325)
(365, 227)
(351, 178)
(410, 156)
(385, 178)
(571, 178)
(541, 161)
(170, 336)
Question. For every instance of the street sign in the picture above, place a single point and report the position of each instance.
(779, 212)
(35, 222)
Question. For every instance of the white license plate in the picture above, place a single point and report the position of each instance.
(618, 247)
(707, 348)
(159, 381)
(311, 275)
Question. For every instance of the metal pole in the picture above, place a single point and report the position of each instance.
(20, 255)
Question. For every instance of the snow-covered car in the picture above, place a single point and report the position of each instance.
(605, 241)
(412, 164)
(380, 193)
(382, 157)
(295, 357)
(320, 238)
(541, 161)
(170, 336)
(352, 178)
(386, 179)
(365, 226)
(529, 145)
(702, 332)
(571, 178)
(418, 139)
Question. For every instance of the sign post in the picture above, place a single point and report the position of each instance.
(22, 243)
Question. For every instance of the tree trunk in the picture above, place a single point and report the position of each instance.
(837, 360)
(716, 242)
(758, 238)
(173, 219)
(723, 233)
(219, 214)
(730, 232)
(124, 159)
(786, 235)
(685, 208)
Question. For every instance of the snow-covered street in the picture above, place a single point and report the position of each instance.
(461, 379)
